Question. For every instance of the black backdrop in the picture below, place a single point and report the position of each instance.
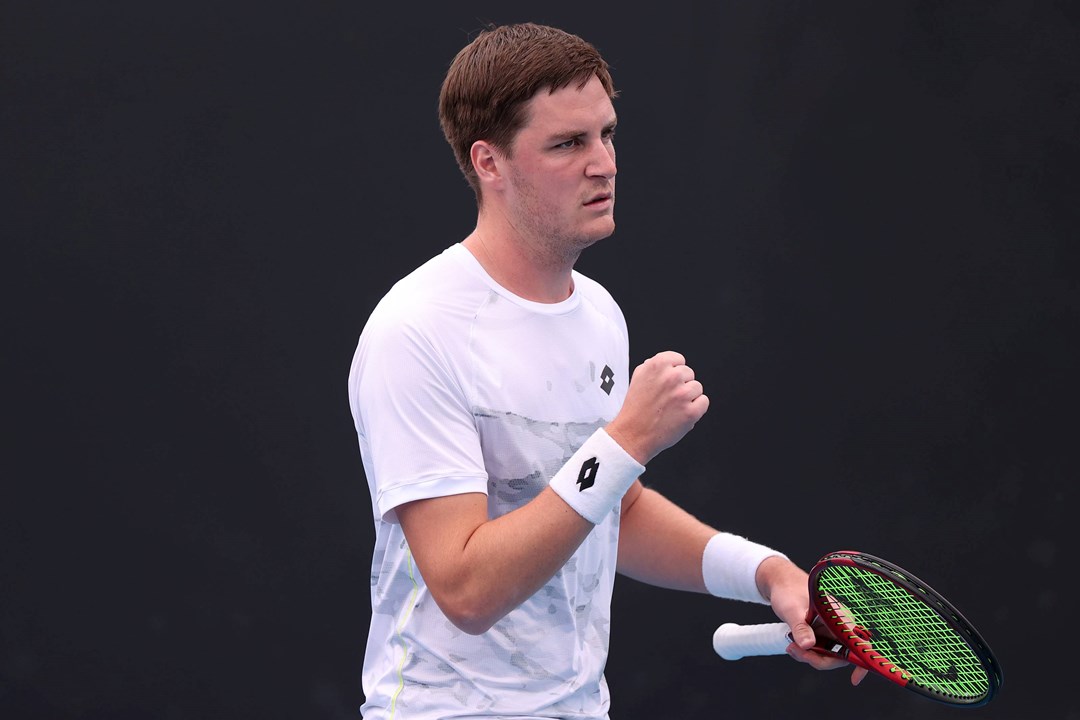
(857, 220)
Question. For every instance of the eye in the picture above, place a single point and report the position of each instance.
(567, 144)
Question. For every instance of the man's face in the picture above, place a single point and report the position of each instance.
(561, 173)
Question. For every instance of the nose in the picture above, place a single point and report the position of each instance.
(602, 160)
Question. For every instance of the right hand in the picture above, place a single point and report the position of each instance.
(663, 403)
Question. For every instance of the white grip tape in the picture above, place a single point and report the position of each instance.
(729, 567)
(733, 642)
(595, 478)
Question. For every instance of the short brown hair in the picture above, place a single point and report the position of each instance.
(497, 73)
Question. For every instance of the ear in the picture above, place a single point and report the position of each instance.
(485, 161)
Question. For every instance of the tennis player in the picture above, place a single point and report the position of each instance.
(502, 433)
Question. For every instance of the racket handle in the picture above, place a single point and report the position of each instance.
(732, 642)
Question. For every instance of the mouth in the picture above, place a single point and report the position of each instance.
(599, 199)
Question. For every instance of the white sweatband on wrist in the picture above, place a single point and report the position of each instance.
(729, 566)
(595, 478)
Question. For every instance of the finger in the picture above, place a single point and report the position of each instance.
(857, 675)
(819, 661)
(803, 635)
(670, 357)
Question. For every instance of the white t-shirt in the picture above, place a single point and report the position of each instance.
(459, 386)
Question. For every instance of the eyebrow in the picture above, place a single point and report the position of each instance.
(578, 133)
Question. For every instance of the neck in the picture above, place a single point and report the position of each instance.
(519, 267)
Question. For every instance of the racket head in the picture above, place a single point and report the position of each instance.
(897, 626)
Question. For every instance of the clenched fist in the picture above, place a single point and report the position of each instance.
(663, 403)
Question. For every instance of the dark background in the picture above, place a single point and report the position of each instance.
(857, 221)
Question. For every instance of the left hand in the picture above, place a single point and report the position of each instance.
(784, 584)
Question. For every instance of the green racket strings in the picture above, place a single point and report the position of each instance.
(904, 630)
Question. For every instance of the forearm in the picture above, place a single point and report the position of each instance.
(660, 543)
(510, 558)
(664, 545)
(477, 569)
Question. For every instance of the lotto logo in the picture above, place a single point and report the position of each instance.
(587, 476)
(607, 378)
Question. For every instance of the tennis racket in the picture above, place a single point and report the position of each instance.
(878, 616)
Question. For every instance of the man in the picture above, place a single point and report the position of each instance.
(502, 433)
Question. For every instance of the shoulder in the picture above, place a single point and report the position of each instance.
(434, 293)
(418, 329)
(598, 296)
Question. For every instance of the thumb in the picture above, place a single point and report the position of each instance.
(803, 635)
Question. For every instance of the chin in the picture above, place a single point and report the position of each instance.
(604, 228)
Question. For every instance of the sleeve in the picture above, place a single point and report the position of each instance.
(414, 419)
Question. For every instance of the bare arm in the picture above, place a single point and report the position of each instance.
(660, 543)
(479, 569)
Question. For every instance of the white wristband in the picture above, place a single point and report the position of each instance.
(729, 565)
(595, 478)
